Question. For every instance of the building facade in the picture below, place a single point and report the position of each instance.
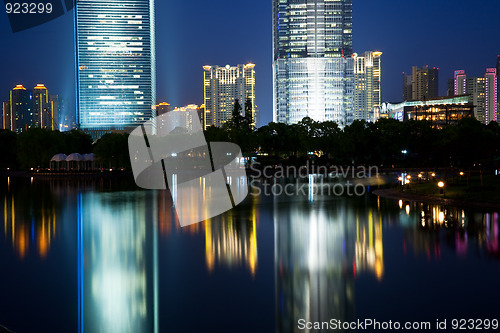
(424, 84)
(115, 44)
(483, 91)
(440, 111)
(367, 88)
(312, 61)
(21, 109)
(222, 86)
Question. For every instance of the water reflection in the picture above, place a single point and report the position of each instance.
(369, 244)
(314, 265)
(429, 227)
(30, 219)
(117, 262)
(230, 239)
(231, 242)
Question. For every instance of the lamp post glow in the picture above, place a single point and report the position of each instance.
(441, 187)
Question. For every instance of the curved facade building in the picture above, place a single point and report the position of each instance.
(313, 65)
(115, 43)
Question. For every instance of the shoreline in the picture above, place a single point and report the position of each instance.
(392, 193)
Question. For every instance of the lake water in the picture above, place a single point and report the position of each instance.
(105, 256)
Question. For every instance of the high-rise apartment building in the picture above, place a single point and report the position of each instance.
(222, 86)
(425, 83)
(115, 44)
(491, 90)
(312, 60)
(43, 114)
(20, 109)
(30, 108)
(367, 90)
(483, 91)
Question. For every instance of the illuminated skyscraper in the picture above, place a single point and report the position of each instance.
(483, 91)
(367, 92)
(313, 65)
(222, 85)
(43, 113)
(425, 83)
(20, 109)
(115, 43)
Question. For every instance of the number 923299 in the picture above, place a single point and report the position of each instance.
(28, 8)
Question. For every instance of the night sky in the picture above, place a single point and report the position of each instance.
(448, 34)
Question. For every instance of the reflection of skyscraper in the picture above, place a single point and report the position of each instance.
(117, 259)
(115, 64)
(314, 266)
(29, 220)
(312, 64)
(231, 242)
(369, 245)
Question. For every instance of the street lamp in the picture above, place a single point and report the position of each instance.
(441, 187)
(461, 173)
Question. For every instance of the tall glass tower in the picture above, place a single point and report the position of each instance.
(115, 50)
(313, 65)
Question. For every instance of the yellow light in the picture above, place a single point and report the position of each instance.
(433, 174)
(441, 217)
(407, 209)
(408, 177)
(441, 184)
(419, 175)
(400, 203)
(400, 178)
(461, 173)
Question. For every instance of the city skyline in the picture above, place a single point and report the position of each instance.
(375, 28)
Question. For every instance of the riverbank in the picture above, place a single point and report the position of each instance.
(398, 194)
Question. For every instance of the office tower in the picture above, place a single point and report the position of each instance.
(483, 91)
(312, 63)
(367, 92)
(115, 46)
(222, 85)
(407, 87)
(425, 83)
